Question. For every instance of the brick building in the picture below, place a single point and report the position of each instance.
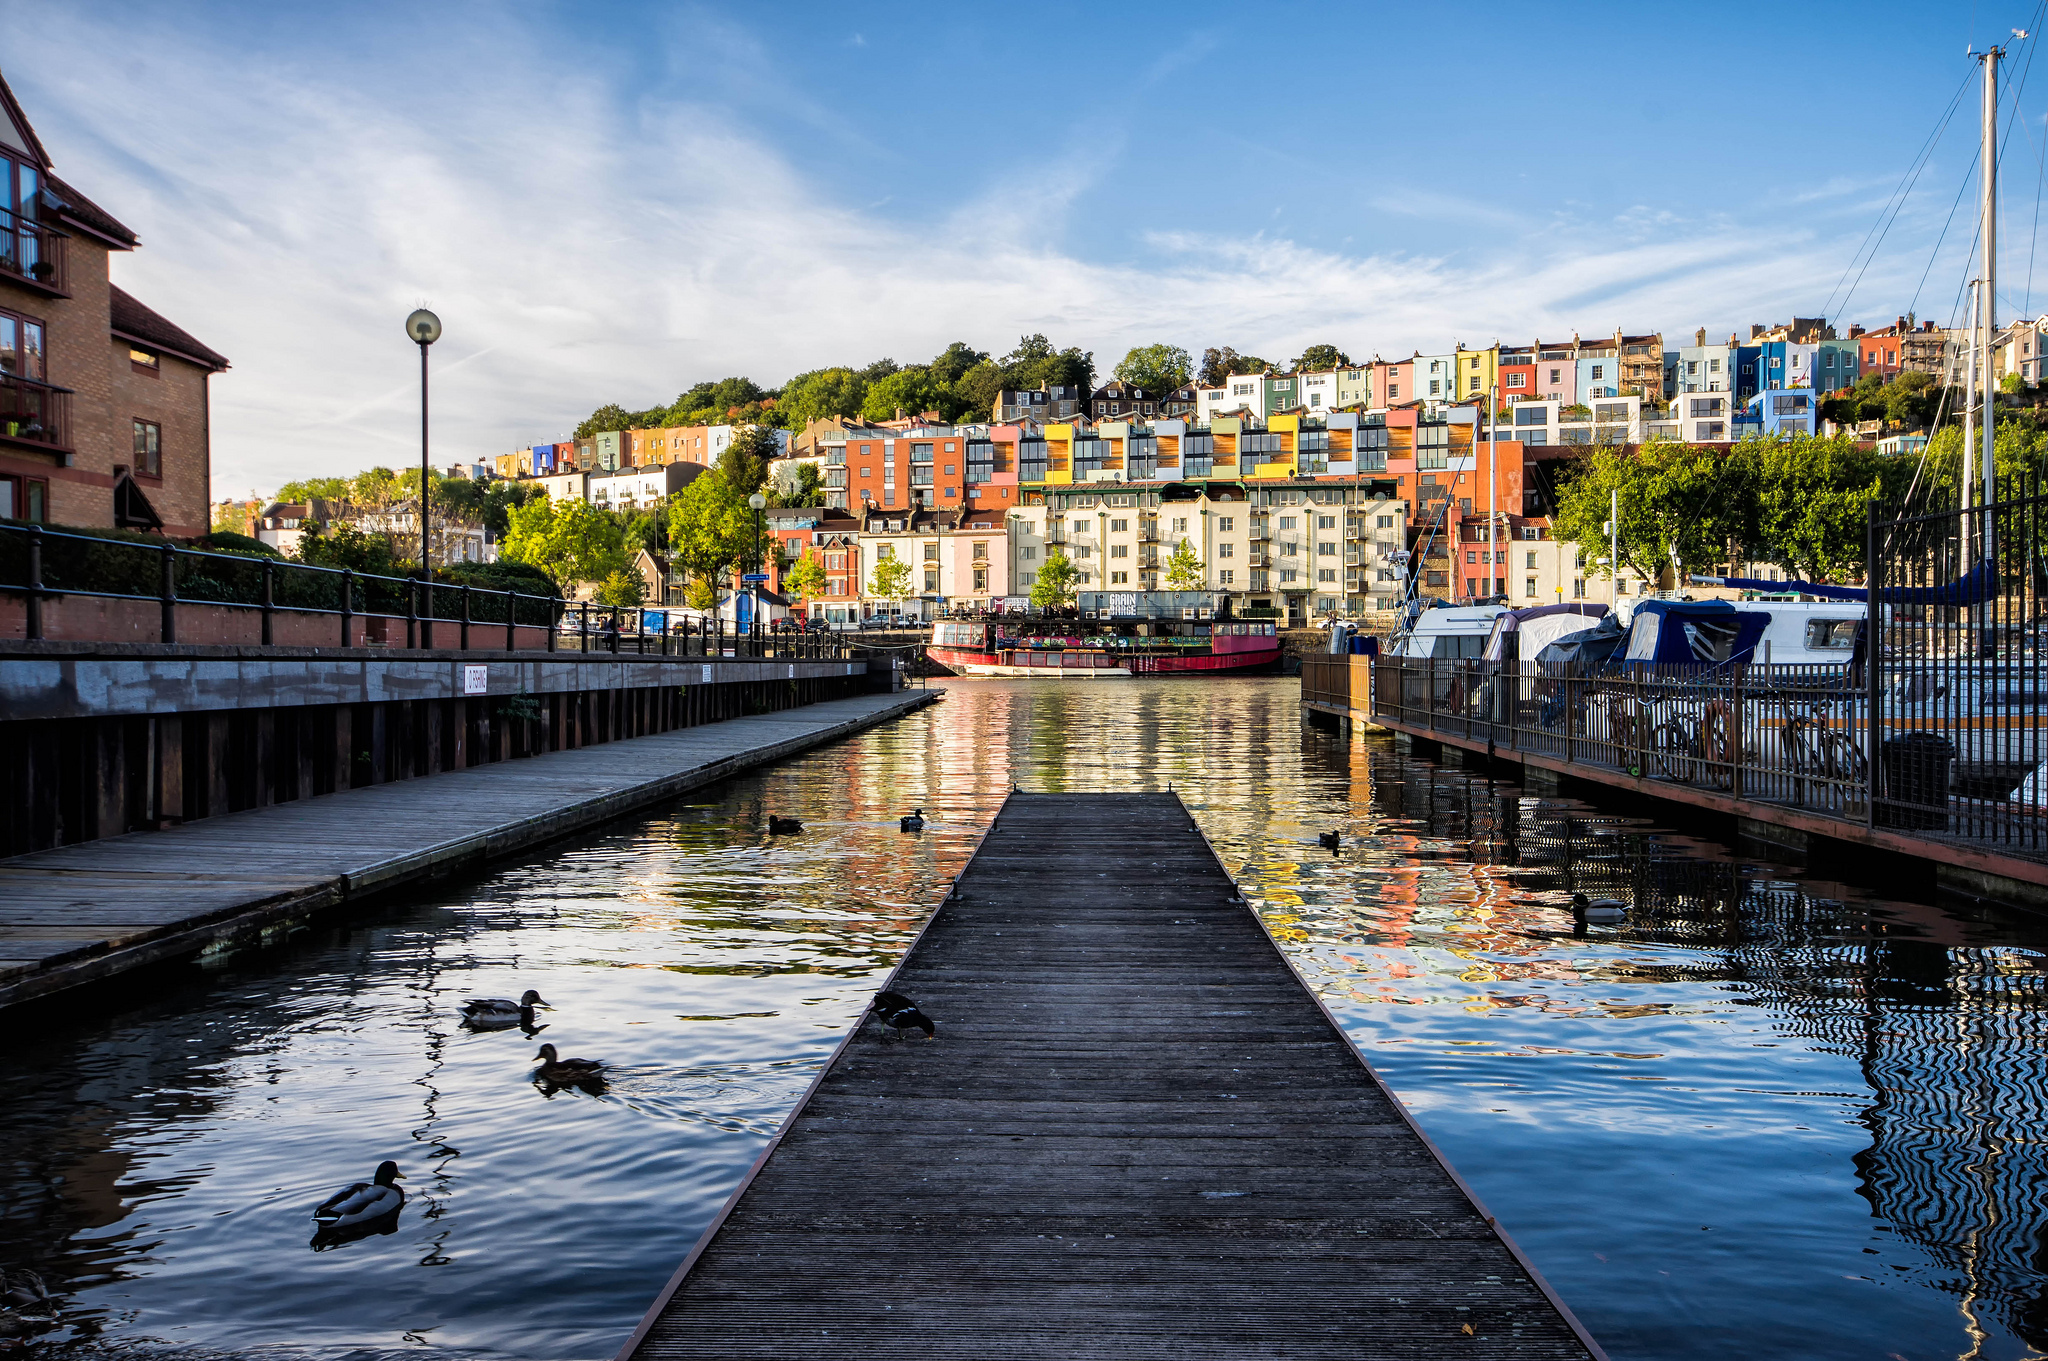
(104, 412)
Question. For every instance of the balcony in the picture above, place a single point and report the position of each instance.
(1354, 529)
(1148, 531)
(1257, 559)
(33, 255)
(34, 415)
(1261, 533)
(1354, 558)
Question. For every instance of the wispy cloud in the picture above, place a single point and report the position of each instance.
(584, 247)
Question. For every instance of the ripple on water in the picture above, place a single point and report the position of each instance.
(1767, 1116)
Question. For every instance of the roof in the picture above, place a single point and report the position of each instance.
(83, 213)
(131, 320)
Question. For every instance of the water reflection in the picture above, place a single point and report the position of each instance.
(1768, 1114)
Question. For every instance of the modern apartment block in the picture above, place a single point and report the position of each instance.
(105, 416)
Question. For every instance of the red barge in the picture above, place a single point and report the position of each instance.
(1151, 647)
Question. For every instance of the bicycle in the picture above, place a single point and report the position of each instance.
(1817, 751)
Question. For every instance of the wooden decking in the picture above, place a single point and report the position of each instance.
(1136, 1135)
(80, 913)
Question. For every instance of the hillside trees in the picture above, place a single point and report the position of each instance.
(1156, 368)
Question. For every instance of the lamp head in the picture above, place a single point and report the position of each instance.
(423, 327)
(758, 501)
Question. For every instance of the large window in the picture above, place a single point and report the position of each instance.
(21, 246)
(23, 498)
(21, 346)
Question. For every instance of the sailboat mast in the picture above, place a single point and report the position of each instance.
(1987, 300)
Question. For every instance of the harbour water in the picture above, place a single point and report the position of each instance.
(1769, 1116)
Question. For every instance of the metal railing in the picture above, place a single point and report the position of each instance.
(42, 566)
(35, 411)
(32, 251)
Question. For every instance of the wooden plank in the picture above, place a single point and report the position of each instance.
(1137, 1134)
(84, 912)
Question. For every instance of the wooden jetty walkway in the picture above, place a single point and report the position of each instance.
(1137, 1134)
(80, 913)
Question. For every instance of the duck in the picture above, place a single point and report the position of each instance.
(898, 1013)
(1599, 911)
(502, 1008)
(783, 826)
(23, 1289)
(556, 1069)
(912, 821)
(1330, 840)
(364, 1201)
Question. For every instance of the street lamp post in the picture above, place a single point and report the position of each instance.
(759, 503)
(424, 328)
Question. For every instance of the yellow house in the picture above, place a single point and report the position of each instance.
(1478, 371)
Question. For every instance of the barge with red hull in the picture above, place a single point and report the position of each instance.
(1223, 647)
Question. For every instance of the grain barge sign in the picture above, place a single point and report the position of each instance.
(1125, 603)
(476, 680)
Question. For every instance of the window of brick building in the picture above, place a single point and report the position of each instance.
(142, 361)
(149, 448)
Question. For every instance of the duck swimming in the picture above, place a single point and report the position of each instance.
(1599, 911)
(783, 826)
(363, 1202)
(1330, 840)
(501, 1008)
(565, 1072)
(913, 821)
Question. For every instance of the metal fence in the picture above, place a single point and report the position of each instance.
(40, 566)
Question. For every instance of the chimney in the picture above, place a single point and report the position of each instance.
(899, 413)
(1755, 330)
(1699, 338)
(1900, 326)
(1855, 331)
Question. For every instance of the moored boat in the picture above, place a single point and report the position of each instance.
(1162, 648)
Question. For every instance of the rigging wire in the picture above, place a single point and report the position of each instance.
(1889, 214)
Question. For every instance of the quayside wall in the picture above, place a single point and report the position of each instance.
(98, 739)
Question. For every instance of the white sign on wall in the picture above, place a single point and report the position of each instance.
(476, 680)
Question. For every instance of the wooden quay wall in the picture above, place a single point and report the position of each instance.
(1137, 1134)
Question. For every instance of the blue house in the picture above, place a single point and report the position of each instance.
(1776, 411)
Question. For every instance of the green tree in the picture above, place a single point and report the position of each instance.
(1071, 367)
(805, 487)
(957, 359)
(308, 488)
(1910, 399)
(572, 541)
(701, 594)
(909, 391)
(374, 487)
(826, 392)
(1184, 568)
(710, 528)
(806, 577)
(1156, 368)
(1319, 358)
(644, 530)
(877, 371)
(890, 579)
(1054, 588)
(2012, 384)
(974, 392)
(1673, 496)
(1810, 503)
(610, 416)
(625, 588)
(745, 461)
(347, 546)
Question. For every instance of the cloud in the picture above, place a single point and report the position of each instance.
(582, 247)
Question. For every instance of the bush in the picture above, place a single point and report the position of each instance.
(522, 577)
(227, 541)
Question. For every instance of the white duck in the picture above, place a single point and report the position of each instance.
(502, 1008)
(1599, 911)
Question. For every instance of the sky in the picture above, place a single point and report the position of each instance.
(611, 202)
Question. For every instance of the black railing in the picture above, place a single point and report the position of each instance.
(35, 411)
(42, 566)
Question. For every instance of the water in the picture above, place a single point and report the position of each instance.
(1772, 1117)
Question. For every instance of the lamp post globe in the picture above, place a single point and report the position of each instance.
(759, 503)
(423, 327)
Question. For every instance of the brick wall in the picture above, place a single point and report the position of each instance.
(174, 396)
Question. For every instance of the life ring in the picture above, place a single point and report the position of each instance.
(1715, 725)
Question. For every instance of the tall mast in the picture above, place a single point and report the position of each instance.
(1987, 299)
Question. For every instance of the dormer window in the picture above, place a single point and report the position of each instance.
(142, 361)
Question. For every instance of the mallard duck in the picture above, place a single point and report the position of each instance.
(783, 826)
(23, 1289)
(564, 1072)
(364, 1201)
(898, 1013)
(913, 822)
(1330, 840)
(1599, 911)
(501, 1008)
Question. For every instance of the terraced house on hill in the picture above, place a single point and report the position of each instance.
(104, 403)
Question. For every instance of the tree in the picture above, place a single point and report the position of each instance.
(572, 541)
(644, 531)
(1319, 358)
(625, 588)
(806, 578)
(908, 391)
(1809, 507)
(309, 488)
(957, 359)
(745, 461)
(347, 546)
(1155, 368)
(1184, 568)
(826, 392)
(2012, 384)
(710, 527)
(1219, 364)
(890, 580)
(805, 487)
(1070, 368)
(701, 594)
(1680, 496)
(611, 416)
(1054, 588)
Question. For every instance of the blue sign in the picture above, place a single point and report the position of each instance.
(743, 610)
(757, 577)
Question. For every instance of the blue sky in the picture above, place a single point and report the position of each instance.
(610, 202)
